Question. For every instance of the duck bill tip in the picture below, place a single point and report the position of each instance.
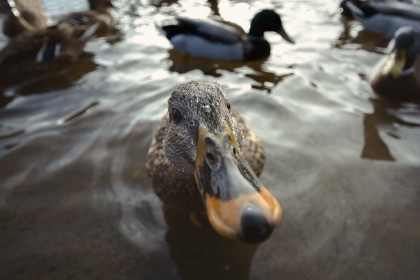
(237, 205)
(285, 36)
(250, 218)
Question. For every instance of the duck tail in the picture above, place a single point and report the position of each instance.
(170, 30)
(355, 10)
(89, 32)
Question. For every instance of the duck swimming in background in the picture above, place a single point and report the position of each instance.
(203, 152)
(222, 40)
(383, 17)
(23, 17)
(42, 51)
(397, 76)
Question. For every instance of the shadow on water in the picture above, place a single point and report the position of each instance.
(367, 40)
(200, 253)
(62, 79)
(264, 80)
(381, 119)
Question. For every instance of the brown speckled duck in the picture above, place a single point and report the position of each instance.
(34, 51)
(43, 51)
(204, 152)
(28, 16)
(23, 16)
(397, 76)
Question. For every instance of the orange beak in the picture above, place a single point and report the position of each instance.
(237, 205)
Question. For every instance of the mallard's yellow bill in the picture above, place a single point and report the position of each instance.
(394, 65)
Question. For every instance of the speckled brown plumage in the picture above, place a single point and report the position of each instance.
(179, 187)
(18, 60)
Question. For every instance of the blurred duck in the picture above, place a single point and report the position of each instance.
(397, 76)
(43, 51)
(222, 40)
(21, 17)
(203, 152)
(383, 17)
(99, 13)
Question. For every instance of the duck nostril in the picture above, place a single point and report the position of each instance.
(210, 156)
(254, 225)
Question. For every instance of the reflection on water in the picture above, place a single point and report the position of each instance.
(199, 253)
(382, 118)
(364, 39)
(264, 80)
(64, 78)
(76, 203)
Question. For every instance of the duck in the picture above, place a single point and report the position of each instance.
(204, 155)
(222, 40)
(397, 75)
(21, 18)
(384, 18)
(43, 51)
(99, 13)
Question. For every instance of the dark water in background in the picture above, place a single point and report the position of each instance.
(75, 202)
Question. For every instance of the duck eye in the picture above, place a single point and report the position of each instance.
(176, 115)
(228, 106)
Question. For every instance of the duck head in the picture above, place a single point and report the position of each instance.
(203, 139)
(268, 20)
(403, 50)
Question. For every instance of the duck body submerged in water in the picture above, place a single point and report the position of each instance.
(222, 40)
(397, 75)
(383, 17)
(35, 50)
(203, 152)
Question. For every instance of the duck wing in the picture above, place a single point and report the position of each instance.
(385, 18)
(214, 30)
(21, 47)
(397, 9)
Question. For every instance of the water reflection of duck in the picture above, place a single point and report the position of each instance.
(222, 40)
(224, 259)
(383, 17)
(202, 143)
(263, 79)
(397, 75)
(380, 122)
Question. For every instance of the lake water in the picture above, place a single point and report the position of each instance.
(76, 203)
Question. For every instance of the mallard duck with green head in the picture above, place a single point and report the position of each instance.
(397, 75)
(203, 153)
(222, 40)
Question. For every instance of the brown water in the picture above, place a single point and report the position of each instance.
(75, 202)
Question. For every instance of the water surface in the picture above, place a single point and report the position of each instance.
(76, 203)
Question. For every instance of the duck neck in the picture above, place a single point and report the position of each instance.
(256, 31)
